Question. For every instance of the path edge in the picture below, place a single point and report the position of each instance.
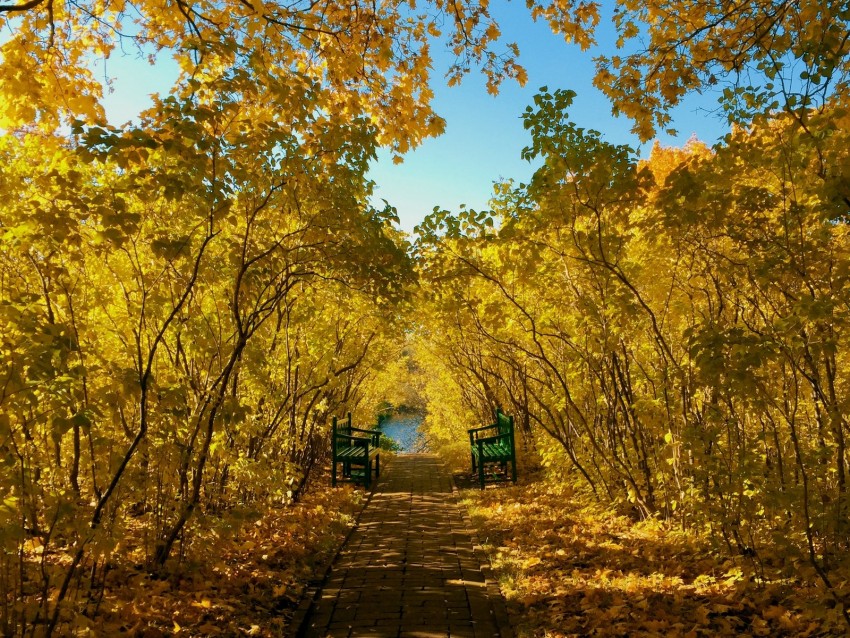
(298, 626)
(494, 592)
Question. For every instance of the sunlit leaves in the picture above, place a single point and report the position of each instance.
(189, 297)
(767, 56)
(369, 62)
(672, 327)
(568, 567)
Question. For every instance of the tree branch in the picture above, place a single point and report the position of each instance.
(26, 6)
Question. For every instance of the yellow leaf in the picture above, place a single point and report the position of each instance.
(531, 562)
(760, 627)
(209, 628)
(773, 612)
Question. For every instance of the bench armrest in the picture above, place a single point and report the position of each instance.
(355, 439)
(375, 435)
(483, 427)
(365, 431)
(493, 439)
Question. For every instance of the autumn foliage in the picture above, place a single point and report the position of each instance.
(187, 299)
(671, 332)
(570, 567)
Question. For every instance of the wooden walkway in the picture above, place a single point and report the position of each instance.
(410, 569)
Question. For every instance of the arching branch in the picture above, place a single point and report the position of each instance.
(26, 6)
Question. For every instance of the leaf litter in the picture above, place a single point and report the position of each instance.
(571, 567)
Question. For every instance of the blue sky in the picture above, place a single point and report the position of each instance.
(484, 134)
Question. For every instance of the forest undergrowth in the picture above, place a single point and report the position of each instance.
(240, 576)
(571, 567)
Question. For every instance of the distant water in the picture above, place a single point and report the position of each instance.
(404, 430)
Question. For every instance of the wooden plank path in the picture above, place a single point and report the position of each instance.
(411, 568)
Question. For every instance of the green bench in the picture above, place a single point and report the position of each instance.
(493, 444)
(357, 450)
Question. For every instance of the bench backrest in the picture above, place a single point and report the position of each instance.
(505, 425)
(342, 426)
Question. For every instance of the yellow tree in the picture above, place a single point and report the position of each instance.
(145, 262)
(680, 323)
(764, 55)
(367, 58)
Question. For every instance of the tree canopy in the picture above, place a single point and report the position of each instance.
(186, 301)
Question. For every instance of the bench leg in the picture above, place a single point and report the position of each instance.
(367, 479)
(377, 466)
(481, 474)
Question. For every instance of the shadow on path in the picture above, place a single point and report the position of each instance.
(409, 569)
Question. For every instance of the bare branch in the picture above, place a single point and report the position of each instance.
(26, 6)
